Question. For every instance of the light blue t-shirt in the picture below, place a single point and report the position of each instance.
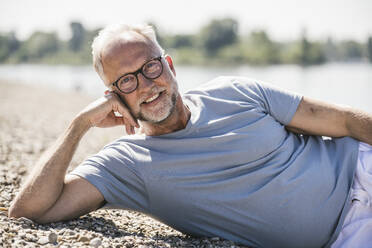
(234, 171)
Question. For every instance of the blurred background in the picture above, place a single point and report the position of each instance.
(318, 48)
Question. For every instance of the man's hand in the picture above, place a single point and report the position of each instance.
(101, 113)
(48, 195)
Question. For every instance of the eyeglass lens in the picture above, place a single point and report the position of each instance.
(150, 70)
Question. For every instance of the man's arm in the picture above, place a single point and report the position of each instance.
(48, 195)
(320, 118)
(78, 197)
(46, 181)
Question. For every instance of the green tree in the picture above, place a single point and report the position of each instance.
(304, 56)
(304, 52)
(331, 51)
(219, 33)
(351, 50)
(258, 48)
(77, 39)
(38, 45)
(8, 45)
(180, 41)
(369, 49)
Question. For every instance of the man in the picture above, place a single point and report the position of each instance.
(218, 160)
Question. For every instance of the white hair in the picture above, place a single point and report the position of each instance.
(112, 31)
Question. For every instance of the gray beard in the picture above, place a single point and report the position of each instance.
(173, 101)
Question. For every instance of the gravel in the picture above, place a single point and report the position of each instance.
(96, 242)
(30, 120)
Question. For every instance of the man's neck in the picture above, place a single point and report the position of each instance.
(177, 120)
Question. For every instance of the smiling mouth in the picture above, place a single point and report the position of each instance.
(153, 98)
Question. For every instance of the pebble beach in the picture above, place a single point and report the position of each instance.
(31, 118)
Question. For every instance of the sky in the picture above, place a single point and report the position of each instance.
(282, 19)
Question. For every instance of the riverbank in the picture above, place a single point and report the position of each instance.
(31, 118)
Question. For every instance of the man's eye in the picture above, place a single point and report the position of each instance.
(149, 65)
(127, 79)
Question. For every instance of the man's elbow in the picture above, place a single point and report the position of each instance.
(17, 215)
(17, 212)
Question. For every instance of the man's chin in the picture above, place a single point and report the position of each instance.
(159, 119)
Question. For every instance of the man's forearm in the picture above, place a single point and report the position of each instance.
(359, 125)
(45, 183)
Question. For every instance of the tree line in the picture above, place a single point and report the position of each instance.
(217, 43)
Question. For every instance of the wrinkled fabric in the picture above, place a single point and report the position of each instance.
(234, 171)
(357, 228)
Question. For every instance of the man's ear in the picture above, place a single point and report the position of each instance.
(170, 63)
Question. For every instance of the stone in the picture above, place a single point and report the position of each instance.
(83, 239)
(43, 240)
(30, 237)
(7, 197)
(25, 220)
(96, 242)
(52, 237)
(19, 243)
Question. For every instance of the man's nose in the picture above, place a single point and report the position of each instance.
(143, 82)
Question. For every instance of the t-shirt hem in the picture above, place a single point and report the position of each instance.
(293, 108)
(95, 181)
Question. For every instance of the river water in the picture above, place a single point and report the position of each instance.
(347, 83)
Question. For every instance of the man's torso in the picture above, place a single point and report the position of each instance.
(234, 171)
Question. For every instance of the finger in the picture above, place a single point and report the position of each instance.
(127, 125)
(120, 107)
(119, 121)
(109, 121)
(124, 111)
(131, 129)
(128, 129)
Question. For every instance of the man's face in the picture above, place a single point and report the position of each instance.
(153, 100)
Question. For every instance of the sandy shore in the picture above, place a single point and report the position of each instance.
(31, 119)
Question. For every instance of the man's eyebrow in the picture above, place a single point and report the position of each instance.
(143, 61)
(136, 69)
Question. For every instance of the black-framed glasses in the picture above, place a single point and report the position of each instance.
(128, 83)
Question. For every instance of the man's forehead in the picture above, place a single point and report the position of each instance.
(126, 51)
(127, 42)
(111, 47)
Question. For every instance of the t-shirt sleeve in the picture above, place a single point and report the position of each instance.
(280, 103)
(114, 174)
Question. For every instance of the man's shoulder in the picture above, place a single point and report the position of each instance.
(125, 141)
(121, 148)
(224, 82)
(225, 86)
